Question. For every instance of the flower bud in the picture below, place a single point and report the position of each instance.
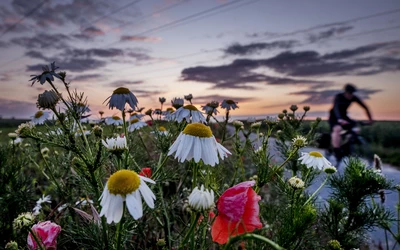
(293, 108)
(306, 108)
(97, 131)
(48, 99)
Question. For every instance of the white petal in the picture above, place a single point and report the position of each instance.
(147, 194)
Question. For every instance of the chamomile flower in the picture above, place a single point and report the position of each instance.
(40, 117)
(238, 124)
(113, 120)
(120, 97)
(85, 132)
(136, 115)
(38, 207)
(187, 112)
(177, 102)
(330, 170)
(211, 108)
(296, 182)
(162, 131)
(201, 199)
(115, 144)
(197, 142)
(125, 185)
(136, 124)
(168, 114)
(299, 141)
(83, 202)
(47, 74)
(314, 159)
(229, 104)
(48, 99)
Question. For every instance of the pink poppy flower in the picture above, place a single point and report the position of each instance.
(238, 212)
(47, 233)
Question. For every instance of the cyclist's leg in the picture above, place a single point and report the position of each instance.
(336, 141)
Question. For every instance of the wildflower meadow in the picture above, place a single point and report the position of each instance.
(177, 176)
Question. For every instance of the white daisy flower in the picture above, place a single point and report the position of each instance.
(299, 141)
(314, 159)
(125, 185)
(161, 131)
(201, 199)
(83, 202)
(120, 97)
(85, 132)
(40, 117)
(229, 104)
(115, 144)
(211, 108)
(186, 112)
(168, 114)
(113, 120)
(296, 182)
(43, 199)
(255, 125)
(177, 102)
(136, 115)
(136, 124)
(16, 141)
(197, 142)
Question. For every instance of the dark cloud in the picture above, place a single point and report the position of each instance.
(61, 13)
(43, 41)
(18, 109)
(124, 83)
(140, 38)
(364, 60)
(327, 96)
(239, 75)
(89, 33)
(87, 77)
(201, 100)
(252, 48)
(106, 53)
(329, 33)
(73, 64)
(147, 93)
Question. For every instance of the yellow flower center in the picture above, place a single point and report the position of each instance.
(162, 129)
(123, 182)
(135, 120)
(121, 91)
(230, 102)
(191, 107)
(198, 129)
(80, 104)
(116, 117)
(38, 114)
(316, 154)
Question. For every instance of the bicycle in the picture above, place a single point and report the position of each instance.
(350, 138)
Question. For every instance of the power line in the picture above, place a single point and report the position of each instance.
(170, 24)
(96, 20)
(286, 34)
(25, 16)
(304, 44)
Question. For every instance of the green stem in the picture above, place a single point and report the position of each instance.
(39, 243)
(189, 233)
(119, 234)
(168, 224)
(253, 237)
(316, 191)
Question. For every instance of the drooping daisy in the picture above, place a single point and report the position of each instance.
(136, 115)
(47, 74)
(177, 102)
(229, 104)
(48, 99)
(187, 112)
(168, 114)
(314, 159)
(201, 199)
(115, 144)
(120, 97)
(197, 142)
(211, 108)
(136, 124)
(125, 185)
(113, 120)
(40, 117)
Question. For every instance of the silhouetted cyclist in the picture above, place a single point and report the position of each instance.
(338, 118)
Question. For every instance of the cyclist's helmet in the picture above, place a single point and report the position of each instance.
(350, 88)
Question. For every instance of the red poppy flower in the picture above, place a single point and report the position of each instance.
(149, 122)
(146, 172)
(238, 212)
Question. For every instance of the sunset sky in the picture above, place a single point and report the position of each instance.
(264, 54)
